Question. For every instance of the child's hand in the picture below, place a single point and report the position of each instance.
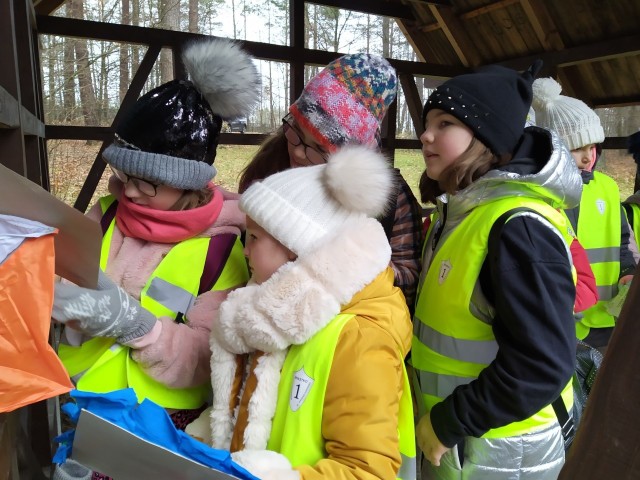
(108, 312)
(428, 441)
(626, 279)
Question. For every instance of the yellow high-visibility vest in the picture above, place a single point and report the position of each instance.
(100, 365)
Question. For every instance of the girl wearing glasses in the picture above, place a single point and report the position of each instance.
(171, 248)
(345, 104)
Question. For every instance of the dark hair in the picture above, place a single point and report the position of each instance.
(474, 162)
(272, 157)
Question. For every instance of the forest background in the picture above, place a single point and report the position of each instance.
(84, 81)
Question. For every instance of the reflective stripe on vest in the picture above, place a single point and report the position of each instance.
(600, 205)
(100, 365)
(301, 393)
(450, 345)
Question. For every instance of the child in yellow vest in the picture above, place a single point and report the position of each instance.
(171, 247)
(494, 332)
(599, 221)
(308, 359)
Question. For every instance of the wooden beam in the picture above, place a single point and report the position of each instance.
(9, 110)
(543, 25)
(70, 132)
(372, 7)
(69, 27)
(616, 101)
(388, 131)
(457, 36)
(486, 9)
(442, 3)
(430, 28)
(31, 125)
(615, 143)
(45, 7)
(607, 49)
(414, 103)
(105, 134)
(408, 144)
(296, 40)
(606, 445)
(12, 143)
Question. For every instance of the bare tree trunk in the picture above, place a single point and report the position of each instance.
(245, 14)
(272, 123)
(169, 13)
(368, 33)
(386, 41)
(193, 16)
(87, 92)
(135, 49)
(52, 54)
(69, 76)
(233, 17)
(124, 53)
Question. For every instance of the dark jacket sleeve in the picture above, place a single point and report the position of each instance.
(627, 262)
(533, 292)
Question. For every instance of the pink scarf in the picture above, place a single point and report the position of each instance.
(167, 226)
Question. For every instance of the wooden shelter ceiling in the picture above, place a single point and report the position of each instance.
(591, 46)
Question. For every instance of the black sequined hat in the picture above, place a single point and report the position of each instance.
(492, 101)
(170, 135)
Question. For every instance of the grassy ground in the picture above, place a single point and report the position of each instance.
(70, 161)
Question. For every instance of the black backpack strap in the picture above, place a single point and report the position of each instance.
(218, 252)
(108, 216)
(564, 418)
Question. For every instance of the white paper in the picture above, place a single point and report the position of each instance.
(118, 453)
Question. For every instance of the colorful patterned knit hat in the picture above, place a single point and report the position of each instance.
(347, 100)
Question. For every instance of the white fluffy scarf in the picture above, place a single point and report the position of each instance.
(288, 309)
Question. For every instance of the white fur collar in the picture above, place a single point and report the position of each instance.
(288, 309)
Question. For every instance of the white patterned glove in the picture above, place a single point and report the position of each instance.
(108, 311)
(266, 464)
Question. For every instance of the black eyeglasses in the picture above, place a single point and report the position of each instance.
(314, 156)
(146, 187)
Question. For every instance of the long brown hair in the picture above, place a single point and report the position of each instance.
(474, 162)
(272, 157)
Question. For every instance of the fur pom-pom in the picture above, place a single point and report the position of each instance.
(360, 179)
(225, 74)
(545, 91)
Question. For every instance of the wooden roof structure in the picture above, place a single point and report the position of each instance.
(591, 46)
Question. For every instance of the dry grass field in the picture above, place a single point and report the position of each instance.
(70, 161)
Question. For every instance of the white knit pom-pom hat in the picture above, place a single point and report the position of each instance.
(570, 118)
(300, 207)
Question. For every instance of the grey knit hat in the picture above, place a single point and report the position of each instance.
(170, 135)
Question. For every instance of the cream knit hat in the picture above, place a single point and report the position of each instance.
(301, 207)
(569, 117)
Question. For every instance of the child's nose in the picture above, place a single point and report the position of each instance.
(426, 137)
(130, 190)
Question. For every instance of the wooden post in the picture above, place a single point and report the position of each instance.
(606, 445)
